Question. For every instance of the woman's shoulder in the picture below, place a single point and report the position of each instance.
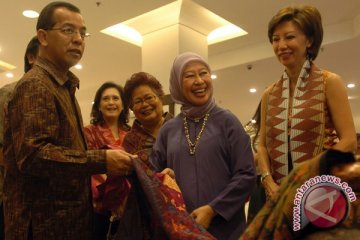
(331, 76)
(224, 116)
(222, 112)
(90, 127)
(172, 121)
(332, 80)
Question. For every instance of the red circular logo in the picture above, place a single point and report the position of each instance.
(325, 206)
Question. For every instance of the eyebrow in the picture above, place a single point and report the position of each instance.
(144, 96)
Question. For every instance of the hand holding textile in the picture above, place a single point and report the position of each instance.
(204, 215)
(118, 162)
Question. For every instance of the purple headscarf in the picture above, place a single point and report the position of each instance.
(176, 74)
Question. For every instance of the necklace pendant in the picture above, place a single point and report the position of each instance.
(191, 153)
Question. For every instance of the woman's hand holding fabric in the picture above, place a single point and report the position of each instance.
(271, 188)
(169, 172)
(203, 215)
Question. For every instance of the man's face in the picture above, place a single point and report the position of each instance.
(65, 41)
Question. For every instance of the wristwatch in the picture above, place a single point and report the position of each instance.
(264, 175)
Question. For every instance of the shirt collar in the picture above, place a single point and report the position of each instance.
(60, 77)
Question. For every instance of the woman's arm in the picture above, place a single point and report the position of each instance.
(271, 188)
(340, 111)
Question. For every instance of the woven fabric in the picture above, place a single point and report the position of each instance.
(275, 220)
(167, 206)
(305, 122)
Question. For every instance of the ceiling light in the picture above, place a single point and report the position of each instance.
(252, 90)
(351, 85)
(224, 33)
(78, 66)
(125, 33)
(185, 13)
(4, 66)
(253, 121)
(30, 14)
(213, 76)
(9, 75)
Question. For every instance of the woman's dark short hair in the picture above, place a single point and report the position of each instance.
(31, 49)
(45, 20)
(308, 19)
(140, 79)
(96, 115)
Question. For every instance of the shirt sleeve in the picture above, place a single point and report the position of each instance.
(237, 191)
(43, 135)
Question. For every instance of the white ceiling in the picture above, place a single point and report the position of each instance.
(110, 59)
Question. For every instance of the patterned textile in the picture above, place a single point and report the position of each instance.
(164, 203)
(48, 168)
(275, 220)
(117, 188)
(139, 141)
(100, 137)
(5, 93)
(306, 121)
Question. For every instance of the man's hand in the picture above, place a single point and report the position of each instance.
(203, 215)
(118, 162)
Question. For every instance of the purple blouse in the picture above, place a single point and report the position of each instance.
(221, 173)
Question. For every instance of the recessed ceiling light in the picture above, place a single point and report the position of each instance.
(78, 66)
(224, 33)
(351, 85)
(185, 13)
(253, 121)
(213, 76)
(9, 75)
(252, 90)
(125, 33)
(30, 14)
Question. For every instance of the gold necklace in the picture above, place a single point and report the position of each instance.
(192, 146)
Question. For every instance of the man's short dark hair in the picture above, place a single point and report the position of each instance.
(45, 20)
(31, 49)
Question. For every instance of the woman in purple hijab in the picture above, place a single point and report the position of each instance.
(208, 150)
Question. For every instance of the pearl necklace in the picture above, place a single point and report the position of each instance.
(192, 146)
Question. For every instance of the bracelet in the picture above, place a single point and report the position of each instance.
(264, 175)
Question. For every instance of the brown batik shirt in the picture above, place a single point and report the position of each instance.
(48, 167)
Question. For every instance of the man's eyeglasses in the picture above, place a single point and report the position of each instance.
(149, 99)
(71, 31)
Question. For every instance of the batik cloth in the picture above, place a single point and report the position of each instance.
(275, 220)
(164, 214)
